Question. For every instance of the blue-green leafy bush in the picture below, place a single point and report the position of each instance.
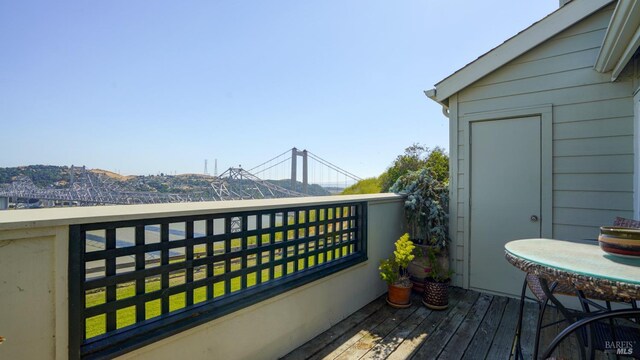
(426, 207)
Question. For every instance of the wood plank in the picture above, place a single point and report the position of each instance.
(369, 340)
(503, 340)
(464, 334)
(481, 342)
(424, 330)
(323, 340)
(549, 332)
(344, 341)
(387, 345)
(435, 343)
(529, 322)
(568, 348)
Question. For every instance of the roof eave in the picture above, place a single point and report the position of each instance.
(432, 94)
(536, 34)
(621, 39)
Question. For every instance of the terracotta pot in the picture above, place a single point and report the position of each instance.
(399, 295)
(436, 294)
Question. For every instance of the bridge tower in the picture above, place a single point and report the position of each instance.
(294, 169)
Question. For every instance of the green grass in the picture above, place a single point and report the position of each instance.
(124, 317)
(364, 186)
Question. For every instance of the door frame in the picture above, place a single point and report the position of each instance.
(545, 112)
(636, 153)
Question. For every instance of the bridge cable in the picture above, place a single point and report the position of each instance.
(272, 166)
(253, 168)
(334, 167)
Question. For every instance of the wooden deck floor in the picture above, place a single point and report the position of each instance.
(475, 326)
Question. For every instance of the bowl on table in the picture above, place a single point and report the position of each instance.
(620, 241)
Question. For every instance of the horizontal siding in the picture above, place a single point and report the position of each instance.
(598, 21)
(555, 96)
(605, 200)
(592, 124)
(611, 145)
(592, 110)
(558, 64)
(622, 126)
(587, 217)
(593, 182)
(566, 79)
(593, 164)
(573, 232)
(578, 37)
(561, 46)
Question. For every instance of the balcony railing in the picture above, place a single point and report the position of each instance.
(232, 261)
(139, 274)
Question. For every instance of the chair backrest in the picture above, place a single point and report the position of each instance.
(629, 223)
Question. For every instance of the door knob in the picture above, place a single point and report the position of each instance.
(534, 218)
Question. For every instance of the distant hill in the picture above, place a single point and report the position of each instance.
(51, 176)
(41, 175)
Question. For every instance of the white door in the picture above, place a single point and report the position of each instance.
(505, 198)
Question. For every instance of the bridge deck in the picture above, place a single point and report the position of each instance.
(476, 326)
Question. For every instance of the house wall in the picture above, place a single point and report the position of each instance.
(592, 132)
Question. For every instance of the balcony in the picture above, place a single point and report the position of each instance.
(231, 280)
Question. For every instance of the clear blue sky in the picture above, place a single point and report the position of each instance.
(144, 87)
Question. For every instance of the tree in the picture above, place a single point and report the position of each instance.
(417, 157)
(438, 163)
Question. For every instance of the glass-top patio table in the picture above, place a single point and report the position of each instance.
(583, 266)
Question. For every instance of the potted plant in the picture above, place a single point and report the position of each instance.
(436, 285)
(394, 271)
(426, 211)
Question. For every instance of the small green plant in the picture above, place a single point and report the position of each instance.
(394, 269)
(437, 273)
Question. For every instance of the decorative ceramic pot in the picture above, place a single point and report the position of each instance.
(620, 241)
(399, 296)
(418, 271)
(436, 294)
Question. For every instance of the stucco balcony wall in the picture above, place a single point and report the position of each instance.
(34, 246)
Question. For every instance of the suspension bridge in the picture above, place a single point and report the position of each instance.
(275, 178)
(314, 169)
